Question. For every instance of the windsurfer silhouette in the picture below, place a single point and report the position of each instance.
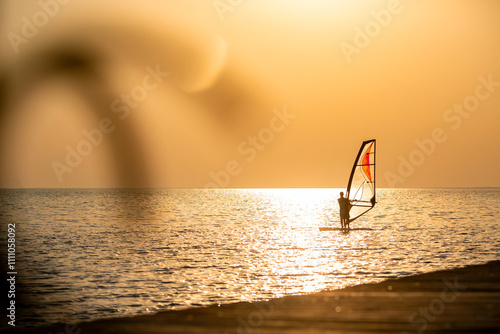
(345, 206)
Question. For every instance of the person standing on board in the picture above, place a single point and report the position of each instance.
(345, 206)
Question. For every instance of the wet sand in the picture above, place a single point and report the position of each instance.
(464, 300)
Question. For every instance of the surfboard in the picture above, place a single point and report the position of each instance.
(345, 229)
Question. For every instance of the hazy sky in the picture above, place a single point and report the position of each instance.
(248, 93)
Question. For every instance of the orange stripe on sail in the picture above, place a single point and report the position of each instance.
(366, 163)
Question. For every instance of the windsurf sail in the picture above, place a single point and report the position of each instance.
(361, 186)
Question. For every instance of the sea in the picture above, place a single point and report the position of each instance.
(85, 254)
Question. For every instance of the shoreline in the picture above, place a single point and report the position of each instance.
(461, 300)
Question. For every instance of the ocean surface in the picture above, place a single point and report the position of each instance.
(90, 254)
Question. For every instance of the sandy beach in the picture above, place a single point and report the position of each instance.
(463, 300)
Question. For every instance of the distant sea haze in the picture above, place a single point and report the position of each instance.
(84, 254)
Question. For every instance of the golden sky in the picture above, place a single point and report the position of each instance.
(248, 93)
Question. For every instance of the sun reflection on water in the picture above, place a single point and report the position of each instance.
(295, 255)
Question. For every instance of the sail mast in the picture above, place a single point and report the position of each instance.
(353, 170)
(374, 172)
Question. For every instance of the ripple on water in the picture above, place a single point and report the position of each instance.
(86, 255)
